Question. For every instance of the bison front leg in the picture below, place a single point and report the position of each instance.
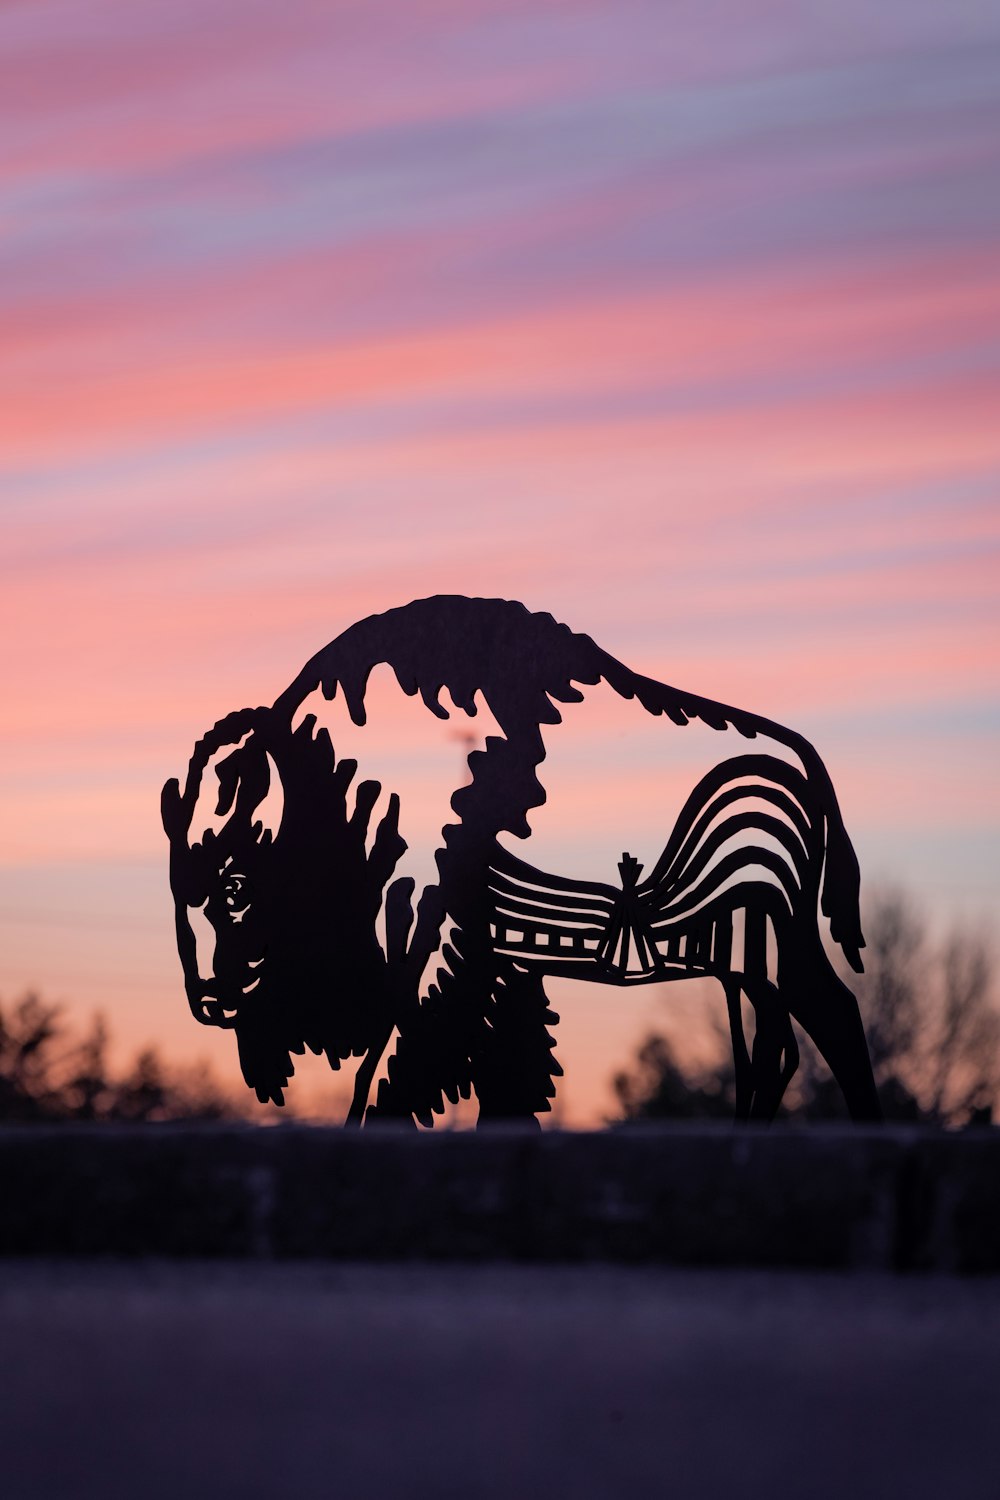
(475, 1030)
(429, 1067)
(513, 1069)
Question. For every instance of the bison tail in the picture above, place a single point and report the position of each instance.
(841, 895)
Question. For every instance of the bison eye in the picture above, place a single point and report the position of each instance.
(236, 893)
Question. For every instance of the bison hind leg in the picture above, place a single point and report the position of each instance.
(763, 1074)
(742, 1066)
(828, 1013)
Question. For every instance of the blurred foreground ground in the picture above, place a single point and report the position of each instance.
(483, 1382)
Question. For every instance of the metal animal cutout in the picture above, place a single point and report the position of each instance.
(299, 961)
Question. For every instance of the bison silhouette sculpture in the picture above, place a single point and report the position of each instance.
(317, 942)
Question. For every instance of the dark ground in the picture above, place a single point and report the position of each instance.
(152, 1380)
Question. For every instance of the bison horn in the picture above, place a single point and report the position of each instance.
(171, 809)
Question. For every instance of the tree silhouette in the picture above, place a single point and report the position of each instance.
(49, 1074)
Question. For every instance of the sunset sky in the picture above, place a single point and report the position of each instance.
(680, 322)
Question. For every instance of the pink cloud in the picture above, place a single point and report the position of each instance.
(67, 395)
(149, 97)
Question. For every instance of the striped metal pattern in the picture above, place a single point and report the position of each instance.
(745, 852)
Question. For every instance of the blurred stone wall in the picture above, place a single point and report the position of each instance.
(823, 1197)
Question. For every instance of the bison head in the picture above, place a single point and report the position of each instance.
(290, 891)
